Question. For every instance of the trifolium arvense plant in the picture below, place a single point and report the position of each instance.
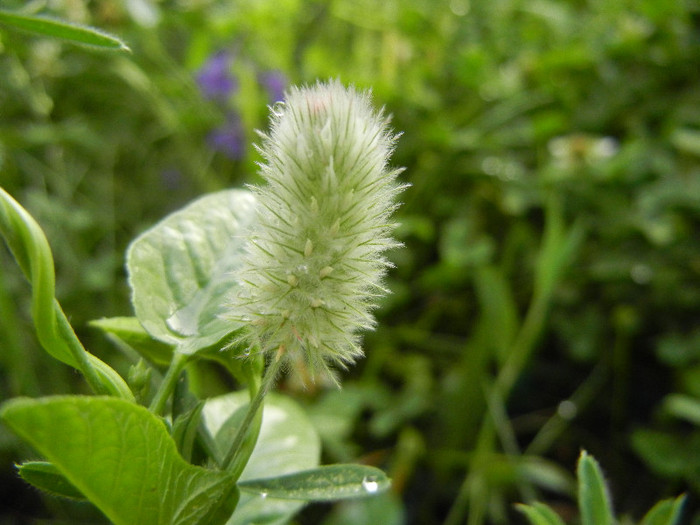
(314, 262)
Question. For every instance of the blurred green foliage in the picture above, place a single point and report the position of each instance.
(547, 298)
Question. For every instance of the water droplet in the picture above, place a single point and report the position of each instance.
(370, 484)
(277, 109)
(263, 494)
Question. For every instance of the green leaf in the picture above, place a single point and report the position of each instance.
(686, 140)
(45, 476)
(327, 483)
(287, 443)
(558, 248)
(684, 407)
(666, 512)
(593, 499)
(128, 330)
(671, 455)
(31, 250)
(546, 474)
(61, 29)
(181, 271)
(120, 457)
(540, 514)
(498, 307)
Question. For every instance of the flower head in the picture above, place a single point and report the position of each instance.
(314, 264)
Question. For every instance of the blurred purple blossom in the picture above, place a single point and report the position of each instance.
(228, 139)
(274, 82)
(215, 78)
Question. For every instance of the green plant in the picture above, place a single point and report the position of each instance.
(216, 461)
(595, 505)
(530, 126)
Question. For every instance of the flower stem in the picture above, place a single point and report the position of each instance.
(235, 461)
(168, 385)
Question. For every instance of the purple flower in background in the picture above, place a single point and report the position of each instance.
(228, 139)
(274, 82)
(215, 78)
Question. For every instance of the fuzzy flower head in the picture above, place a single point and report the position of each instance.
(314, 264)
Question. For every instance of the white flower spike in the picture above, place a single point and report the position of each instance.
(314, 264)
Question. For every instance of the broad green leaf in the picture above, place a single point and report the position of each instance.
(61, 29)
(327, 483)
(45, 476)
(666, 512)
(181, 271)
(128, 330)
(593, 499)
(540, 514)
(121, 457)
(287, 443)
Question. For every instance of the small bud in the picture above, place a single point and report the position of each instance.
(139, 379)
(325, 164)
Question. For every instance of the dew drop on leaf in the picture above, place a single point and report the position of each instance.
(370, 484)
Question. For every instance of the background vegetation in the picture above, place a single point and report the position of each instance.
(548, 294)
